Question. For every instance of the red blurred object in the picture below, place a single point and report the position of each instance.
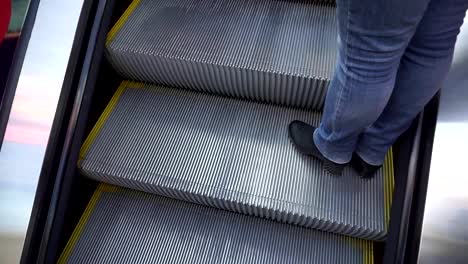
(5, 14)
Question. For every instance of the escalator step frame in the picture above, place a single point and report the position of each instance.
(78, 249)
(387, 184)
(297, 78)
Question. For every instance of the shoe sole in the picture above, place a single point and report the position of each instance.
(329, 167)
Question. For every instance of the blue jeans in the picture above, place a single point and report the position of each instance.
(393, 57)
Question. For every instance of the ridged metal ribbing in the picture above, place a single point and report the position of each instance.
(229, 154)
(281, 52)
(131, 227)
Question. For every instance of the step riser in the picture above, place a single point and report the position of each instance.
(236, 206)
(269, 87)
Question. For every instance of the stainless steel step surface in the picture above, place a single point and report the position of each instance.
(280, 52)
(124, 226)
(230, 154)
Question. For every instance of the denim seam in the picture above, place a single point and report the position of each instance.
(346, 51)
(339, 102)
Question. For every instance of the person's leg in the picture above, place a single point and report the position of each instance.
(422, 70)
(373, 35)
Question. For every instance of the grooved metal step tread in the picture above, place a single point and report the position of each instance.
(124, 226)
(229, 154)
(280, 52)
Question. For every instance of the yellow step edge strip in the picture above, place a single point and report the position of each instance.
(81, 224)
(116, 28)
(102, 120)
(365, 246)
(107, 188)
(135, 85)
(389, 182)
(368, 252)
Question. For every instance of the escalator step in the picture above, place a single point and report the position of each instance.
(230, 154)
(124, 226)
(280, 52)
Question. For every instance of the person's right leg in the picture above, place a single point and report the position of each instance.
(373, 35)
(422, 70)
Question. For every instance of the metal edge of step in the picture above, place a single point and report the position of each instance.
(231, 238)
(388, 168)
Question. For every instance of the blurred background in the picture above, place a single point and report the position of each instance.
(32, 112)
(36, 100)
(15, 188)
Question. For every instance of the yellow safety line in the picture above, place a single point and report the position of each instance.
(80, 227)
(102, 120)
(134, 84)
(369, 252)
(103, 187)
(116, 28)
(389, 182)
(365, 246)
(365, 252)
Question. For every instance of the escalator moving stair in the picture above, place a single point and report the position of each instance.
(280, 52)
(124, 226)
(227, 78)
(230, 154)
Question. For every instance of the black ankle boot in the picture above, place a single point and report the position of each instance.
(364, 169)
(301, 135)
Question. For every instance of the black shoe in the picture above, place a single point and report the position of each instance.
(364, 169)
(302, 137)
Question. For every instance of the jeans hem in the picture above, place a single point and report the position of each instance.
(364, 157)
